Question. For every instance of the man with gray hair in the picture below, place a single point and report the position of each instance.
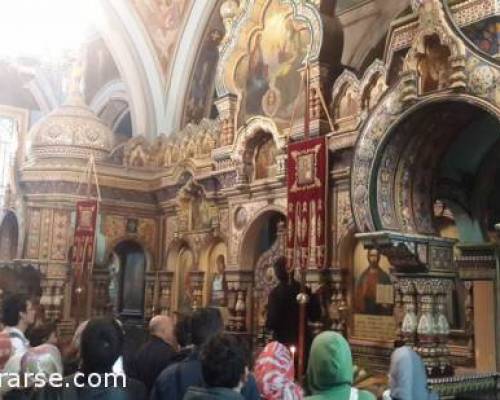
(156, 354)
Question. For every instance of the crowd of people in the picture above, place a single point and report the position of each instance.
(187, 357)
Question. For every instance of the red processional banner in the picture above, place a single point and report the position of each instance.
(83, 243)
(307, 203)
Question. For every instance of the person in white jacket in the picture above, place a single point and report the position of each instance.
(18, 313)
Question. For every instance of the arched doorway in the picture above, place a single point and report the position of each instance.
(428, 176)
(127, 279)
(260, 236)
(181, 262)
(262, 244)
(9, 233)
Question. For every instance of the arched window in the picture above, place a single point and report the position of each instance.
(8, 146)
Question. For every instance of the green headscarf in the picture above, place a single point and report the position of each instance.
(330, 370)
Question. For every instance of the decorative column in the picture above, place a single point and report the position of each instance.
(405, 312)
(53, 285)
(240, 284)
(442, 327)
(164, 300)
(197, 278)
(320, 85)
(338, 306)
(469, 314)
(226, 106)
(426, 329)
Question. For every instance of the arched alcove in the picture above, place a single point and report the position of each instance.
(213, 261)
(131, 277)
(259, 237)
(433, 151)
(9, 234)
(181, 261)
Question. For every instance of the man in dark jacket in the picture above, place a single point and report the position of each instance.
(282, 306)
(155, 355)
(101, 345)
(173, 382)
(223, 367)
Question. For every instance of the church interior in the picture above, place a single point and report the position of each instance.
(159, 156)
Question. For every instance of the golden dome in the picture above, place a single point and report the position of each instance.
(71, 131)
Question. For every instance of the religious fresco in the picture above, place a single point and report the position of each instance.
(265, 160)
(198, 103)
(433, 65)
(185, 288)
(164, 20)
(217, 296)
(195, 212)
(485, 35)
(268, 77)
(373, 294)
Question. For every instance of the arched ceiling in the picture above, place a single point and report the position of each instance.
(146, 52)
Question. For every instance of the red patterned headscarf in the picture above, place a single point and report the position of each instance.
(274, 373)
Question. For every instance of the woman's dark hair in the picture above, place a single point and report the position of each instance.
(101, 345)
(205, 323)
(182, 330)
(222, 361)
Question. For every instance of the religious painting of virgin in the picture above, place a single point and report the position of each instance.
(185, 289)
(265, 160)
(269, 78)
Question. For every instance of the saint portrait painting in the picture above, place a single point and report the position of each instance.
(373, 292)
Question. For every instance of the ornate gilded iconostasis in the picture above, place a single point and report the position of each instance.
(198, 217)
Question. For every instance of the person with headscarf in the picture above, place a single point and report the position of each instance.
(38, 364)
(407, 377)
(274, 373)
(330, 370)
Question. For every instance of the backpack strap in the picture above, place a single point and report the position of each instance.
(16, 335)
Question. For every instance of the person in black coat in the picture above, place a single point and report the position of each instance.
(174, 381)
(282, 306)
(156, 354)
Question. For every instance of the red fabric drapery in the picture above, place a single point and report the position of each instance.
(307, 203)
(83, 241)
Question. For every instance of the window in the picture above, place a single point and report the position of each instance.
(8, 146)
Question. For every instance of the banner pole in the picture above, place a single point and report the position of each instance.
(302, 297)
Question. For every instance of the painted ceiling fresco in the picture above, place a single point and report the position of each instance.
(164, 21)
(198, 102)
(267, 76)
